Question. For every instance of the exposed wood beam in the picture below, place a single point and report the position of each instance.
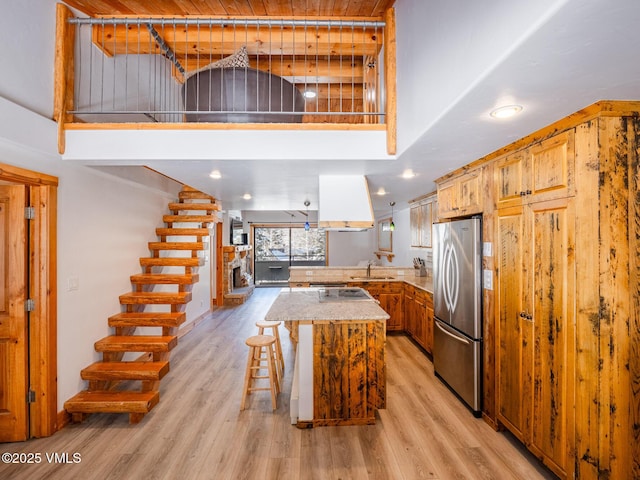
(286, 40)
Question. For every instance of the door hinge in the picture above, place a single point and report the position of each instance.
(29, 305)
(31, 396)
(29, 213)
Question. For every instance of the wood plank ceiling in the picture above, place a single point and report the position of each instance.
(279, 8)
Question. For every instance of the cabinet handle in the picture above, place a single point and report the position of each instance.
(523, 315)
(522, 194)
(529, 317)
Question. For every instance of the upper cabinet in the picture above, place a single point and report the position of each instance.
(422, 214)
(543, 171)
(461, 195)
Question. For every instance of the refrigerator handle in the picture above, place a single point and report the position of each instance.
(455, 280)
(445, 278)
(455, 337)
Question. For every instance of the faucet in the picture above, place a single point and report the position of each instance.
(368, 270)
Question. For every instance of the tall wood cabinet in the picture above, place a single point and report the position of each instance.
(561, 208)
(535, 241)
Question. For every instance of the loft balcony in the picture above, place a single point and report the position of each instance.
(132, 86)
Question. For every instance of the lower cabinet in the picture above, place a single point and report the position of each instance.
(391, 298)
(418, 315)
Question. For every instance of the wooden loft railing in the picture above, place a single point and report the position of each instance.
(121, 73)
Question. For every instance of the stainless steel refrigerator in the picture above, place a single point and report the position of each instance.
(457, 303)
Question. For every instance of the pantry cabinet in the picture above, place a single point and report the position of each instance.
(536, 338)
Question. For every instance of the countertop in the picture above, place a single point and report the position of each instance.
(295, 304)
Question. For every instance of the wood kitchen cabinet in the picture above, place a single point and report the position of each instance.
(419, 316)
(535, 298)
(461, 195)
(390, 295)
(543, 171)
(561, 366)
(421, 217)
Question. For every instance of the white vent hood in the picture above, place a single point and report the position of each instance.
(344, 203)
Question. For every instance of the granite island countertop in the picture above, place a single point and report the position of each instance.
(303, 304)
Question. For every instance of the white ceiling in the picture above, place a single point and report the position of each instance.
(573, 54)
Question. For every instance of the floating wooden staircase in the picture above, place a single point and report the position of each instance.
(119, 386)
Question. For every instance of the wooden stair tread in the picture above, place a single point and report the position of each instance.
(177, 245)
(125, 371)
(207, 207)
(188, 194)
(112, 402)
(170, 298)
(164, 278)
(147, 319)
(197, 232)
(136, 343)
(172, 262)
(190, 218)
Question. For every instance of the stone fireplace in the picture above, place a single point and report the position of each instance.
(236, 274)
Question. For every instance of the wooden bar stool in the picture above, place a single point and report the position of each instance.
(261, 356)
(277, 347)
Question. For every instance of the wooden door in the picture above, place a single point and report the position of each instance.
(552, 306)
(13, 319)
(514, 329)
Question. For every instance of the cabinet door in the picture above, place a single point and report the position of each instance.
(447, 199)
(426, 221)
(514, 331)
(551, 168)
(415, 221)
(509, 179)
(552, 290)
(409, 310)
(429, 324)
(420, 319)
(470, 200)
(393, 305)
(461, 195)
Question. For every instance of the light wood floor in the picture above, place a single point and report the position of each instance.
(198, 432)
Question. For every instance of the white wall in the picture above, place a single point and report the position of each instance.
(349, 248)
(445, 47)
(403, 253)
(104, 224)
(27, 30)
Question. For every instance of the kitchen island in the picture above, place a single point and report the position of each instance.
(339, 376)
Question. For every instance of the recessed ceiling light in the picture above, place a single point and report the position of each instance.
(215, 174)
(506, 111)
(408, 174)
(381, 191)
(310, 94)
(247, 196)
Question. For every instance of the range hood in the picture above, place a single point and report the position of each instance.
(344, 203)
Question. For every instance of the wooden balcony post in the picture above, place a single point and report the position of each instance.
(390, 79)
(64, 71)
